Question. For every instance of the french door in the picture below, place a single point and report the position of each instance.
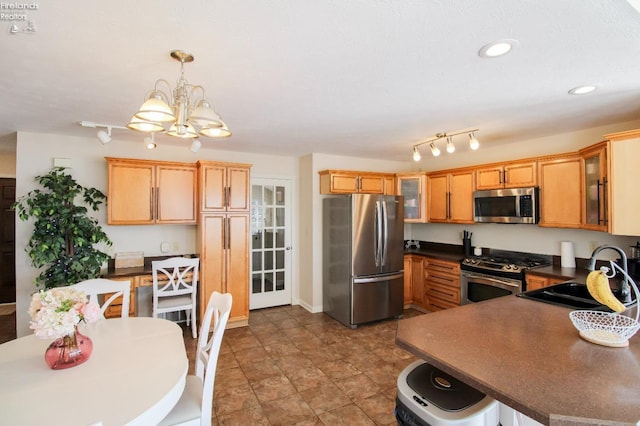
(270, 243)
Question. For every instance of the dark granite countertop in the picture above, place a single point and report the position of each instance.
(529, 356)
(449, 252)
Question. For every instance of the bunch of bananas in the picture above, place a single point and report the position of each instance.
(598, 286)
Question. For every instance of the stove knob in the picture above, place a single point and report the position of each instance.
(508, 267)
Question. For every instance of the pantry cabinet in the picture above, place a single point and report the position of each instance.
(561, 191)
(150, 192)
(353, 182)
(224, 186)
(441, 284)
(509, 175)
(450, 196)
(412, 188)
(222, 238)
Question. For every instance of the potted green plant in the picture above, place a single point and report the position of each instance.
(64, 235)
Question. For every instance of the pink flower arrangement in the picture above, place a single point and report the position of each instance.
(56, 312)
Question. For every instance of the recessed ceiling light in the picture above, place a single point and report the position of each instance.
(497, 48)
(582, 90)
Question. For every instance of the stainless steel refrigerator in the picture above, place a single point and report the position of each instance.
(363, 276)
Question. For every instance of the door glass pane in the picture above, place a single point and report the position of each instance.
(279, 280)
(268, 195)
(256, 240)
(268, 282)
(280, 259)
(256, 283)
(268, 260)
(592, 189)
(279, 216)
(279, 234)
(279, 195)
(256, 264)
(268, 218)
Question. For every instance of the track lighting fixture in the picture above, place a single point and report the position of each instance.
(195, 145)
(150, 141)
(103, 136)
(435, 151)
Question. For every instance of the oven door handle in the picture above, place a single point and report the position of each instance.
(493, 280)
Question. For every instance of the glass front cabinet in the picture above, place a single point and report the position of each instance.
(595, 204)
(412, 188)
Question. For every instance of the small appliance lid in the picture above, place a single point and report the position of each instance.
(442, 390)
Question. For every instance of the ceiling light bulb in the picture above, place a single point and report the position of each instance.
(497, 48)
(434, 149)
(450, 146)
(582, 90)
(195, 145)
(150, 142)
(473, 142)
(416, 154)
(105, 137)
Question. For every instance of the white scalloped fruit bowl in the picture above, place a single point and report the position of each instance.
(604, 328)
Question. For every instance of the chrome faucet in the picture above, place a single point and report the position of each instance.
(625, 292)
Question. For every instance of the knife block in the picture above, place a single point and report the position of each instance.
(466, 246)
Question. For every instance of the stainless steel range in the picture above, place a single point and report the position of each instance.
(500, 274)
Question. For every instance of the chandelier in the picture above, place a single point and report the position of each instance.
(185, 114)
(435, 151)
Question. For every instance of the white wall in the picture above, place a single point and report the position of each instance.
(34, 156)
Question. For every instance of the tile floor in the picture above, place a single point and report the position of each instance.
(291, 367)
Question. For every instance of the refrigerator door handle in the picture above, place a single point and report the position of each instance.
(377, 241)
(378, 278)
(385, 234)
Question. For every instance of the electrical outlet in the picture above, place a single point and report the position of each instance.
(593, 245)
(176, 246)
(165, 247)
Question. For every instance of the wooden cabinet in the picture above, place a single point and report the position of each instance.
(560, 192)
(624, 164)
(224, 186)
(450, 197)
(535, 282)
(441, 284)
(417, 280)
(407, 280)
(510, 175)
(150, 192)
(114, 310)
(412, 188)
(224, 262)
(222, 238)
(353, 182)
(595, 211)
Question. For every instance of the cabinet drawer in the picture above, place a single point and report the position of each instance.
(437, 304)
(442, 267)
(445, 292)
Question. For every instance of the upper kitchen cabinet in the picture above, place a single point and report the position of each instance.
(224, 187)
(150, 192)
(595, 215)
(450, 196)
(412, 188)
(560, 191)
(624, 163)
(510, 175)
(353, 182)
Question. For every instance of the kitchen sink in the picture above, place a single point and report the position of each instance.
(570, 295)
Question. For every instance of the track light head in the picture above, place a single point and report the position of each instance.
(473, 141)
(416, 154)
(105, 137)
(150, 141)
(450, 146)
(434, 149)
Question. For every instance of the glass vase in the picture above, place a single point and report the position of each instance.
(68, 351)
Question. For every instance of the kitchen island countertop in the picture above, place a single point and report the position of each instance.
(529, 356)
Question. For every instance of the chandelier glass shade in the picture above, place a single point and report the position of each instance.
(186, 114)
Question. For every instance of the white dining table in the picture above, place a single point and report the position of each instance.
(135, 376)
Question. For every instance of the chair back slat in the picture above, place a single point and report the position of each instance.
(110, 289)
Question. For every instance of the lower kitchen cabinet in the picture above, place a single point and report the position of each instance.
(414, 280)
(441, 284)
(534, 281)
(114, 310)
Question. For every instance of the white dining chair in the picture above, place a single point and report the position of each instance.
(110, 289)
(174, 290)
(196, 403)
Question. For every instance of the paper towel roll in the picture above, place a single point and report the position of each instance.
(567, 256)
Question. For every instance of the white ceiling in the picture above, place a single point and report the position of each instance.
(358, 78)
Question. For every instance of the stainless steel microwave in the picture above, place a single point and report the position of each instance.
(510, 205)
